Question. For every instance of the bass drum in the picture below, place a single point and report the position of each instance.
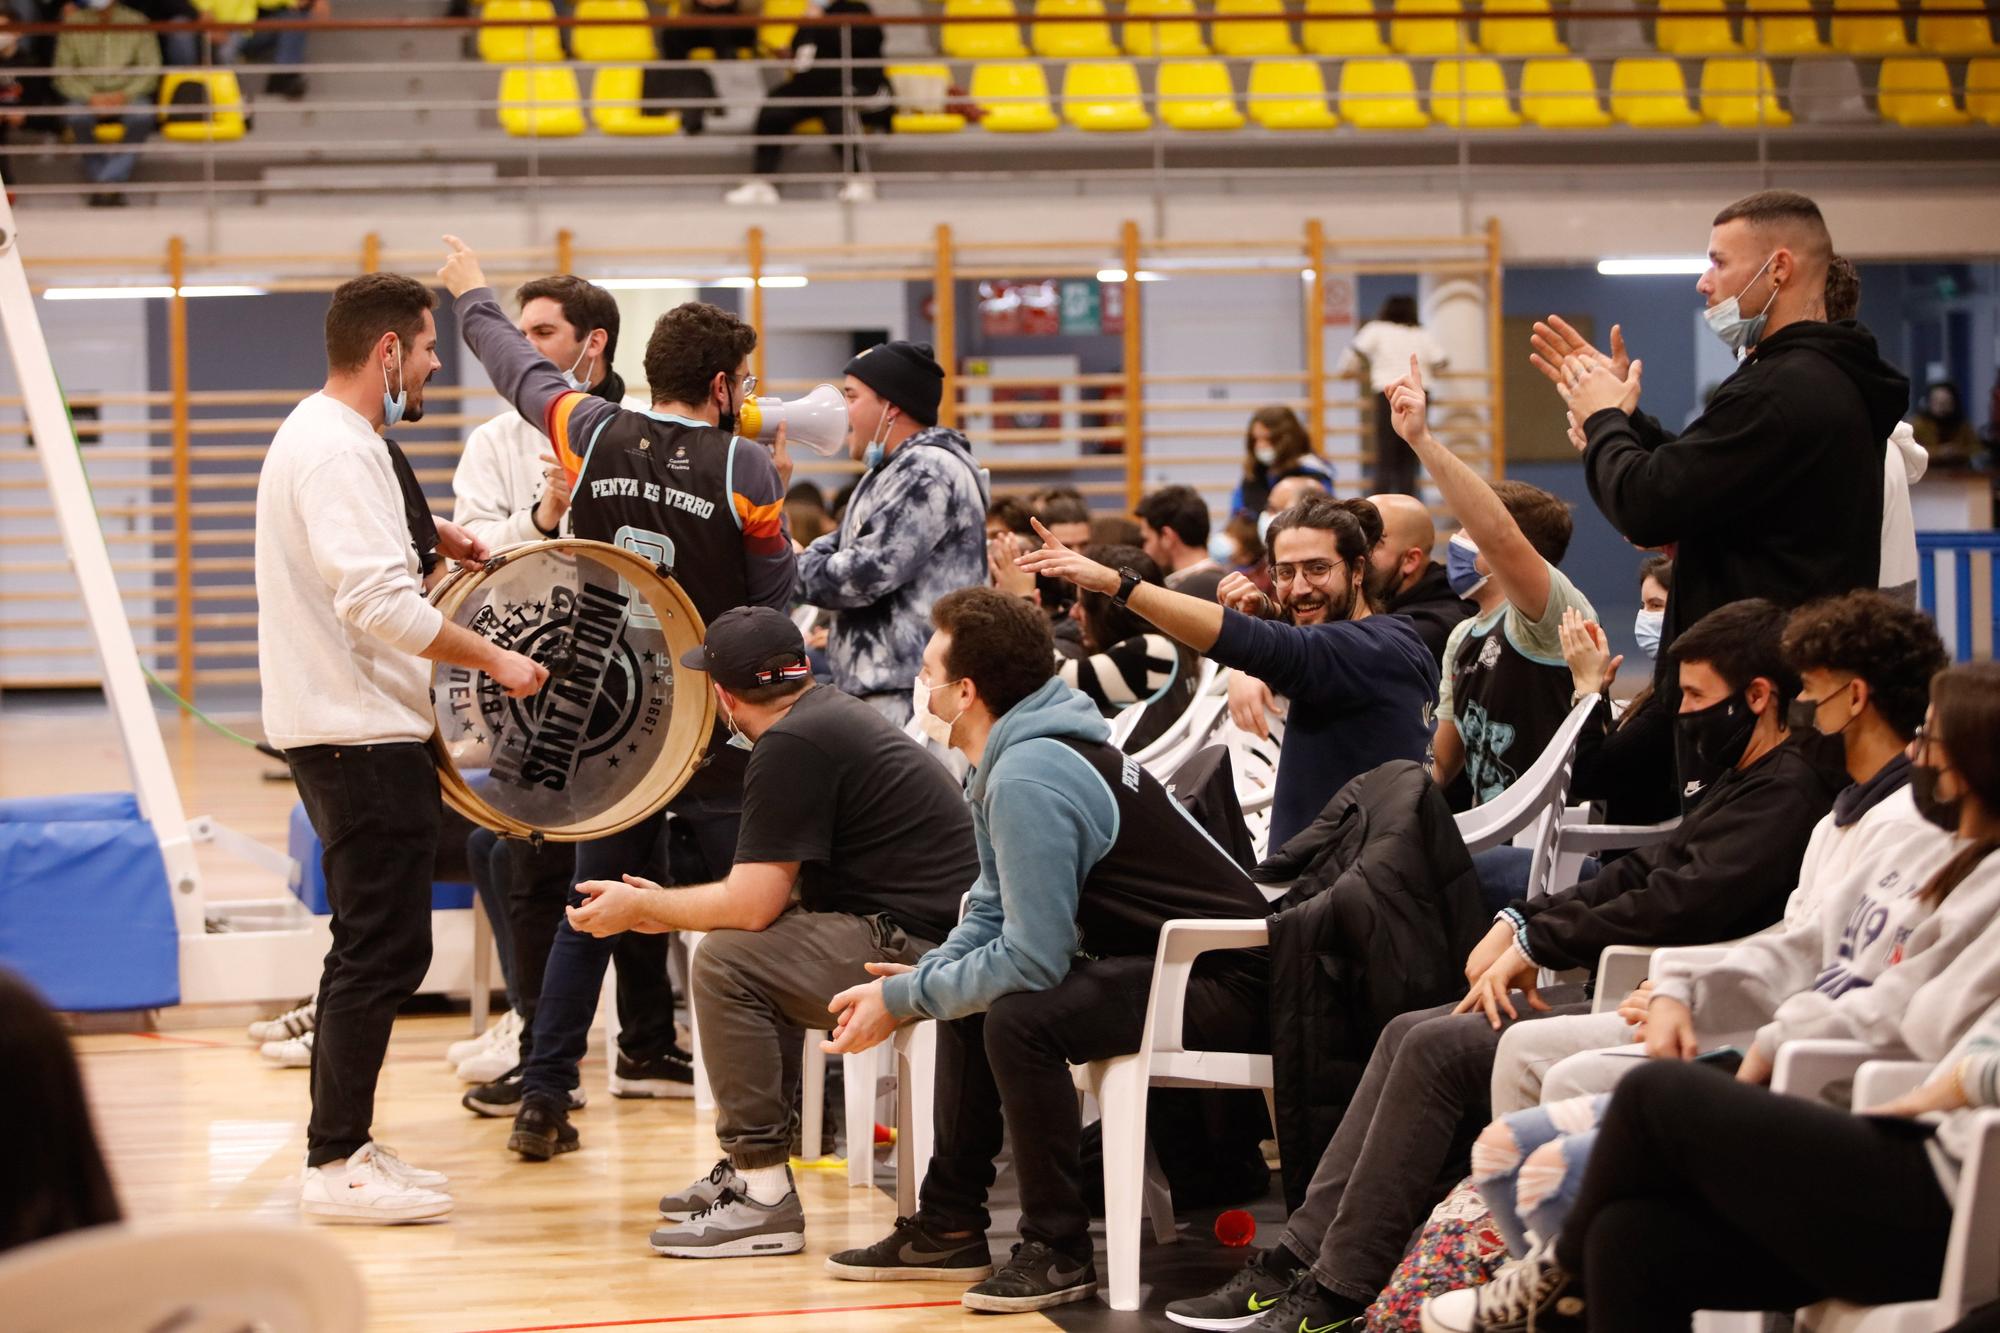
(620, 726)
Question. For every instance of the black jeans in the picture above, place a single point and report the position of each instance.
(682, 850)
(1708, 1194)
(376, 810)
(1008, 1068)
(813, 95)
(488, 869)
(1395, 461)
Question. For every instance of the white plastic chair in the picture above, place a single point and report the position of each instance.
(1580, 837)
(1190, 731)
(1621, 967)
(1120, 1085)
(1530, 812)
(200, 1279)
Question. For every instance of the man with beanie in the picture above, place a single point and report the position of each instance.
(915, 528)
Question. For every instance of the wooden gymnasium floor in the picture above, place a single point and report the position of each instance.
(198, 1127)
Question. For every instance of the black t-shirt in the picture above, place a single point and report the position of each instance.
(875, 821)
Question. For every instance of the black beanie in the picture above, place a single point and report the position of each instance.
(906, 374)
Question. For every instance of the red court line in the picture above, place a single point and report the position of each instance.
(729, 1314)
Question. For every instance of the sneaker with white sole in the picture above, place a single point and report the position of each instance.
(297, 1053)
(494, 1059)
(680, 1207)
(392, 1162)
(1531, 1295)
(753, 193)
(363, 1190)
(1035, 1278)
(736, 1226)
(501, 1098)
(669, 1074)
(288, 1026)
(502, 1031)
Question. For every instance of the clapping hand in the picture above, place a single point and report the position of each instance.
(1590, 387)
(1584, 647)
(1556, 344)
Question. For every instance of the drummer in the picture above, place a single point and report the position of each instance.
(677, 485)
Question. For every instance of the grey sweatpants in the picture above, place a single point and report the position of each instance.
(757, 991)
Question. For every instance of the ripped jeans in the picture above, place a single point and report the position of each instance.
(1528, 1166)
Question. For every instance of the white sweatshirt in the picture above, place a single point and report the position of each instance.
(500, 477)
(341, 613)
(1903, 464)
(1387, 348)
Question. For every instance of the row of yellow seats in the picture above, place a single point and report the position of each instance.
(546, 103)
(1556, 93)
(1249, 28)
(624, 35)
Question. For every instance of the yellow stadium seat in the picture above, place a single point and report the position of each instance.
(541, 103)
(1966, 34)
(518, 46)
(1015, 98)
(1251, 28)
(1868, 35)
(1982, 90)
(629, 40)
(1289, 95)
(1916, 94)
(1472, 94)
(1430, 36)
(1533, 35)
(1347, 28)
(1164, 28)
(615, 94)
(1104, 95)
(1561, 95)
(781, 24)
(923, 95)
(108, 131)
(1791, 34)
(221, 122)
(1083, 40)
(1380, 95)
(1651, 94)
(1693, 28)
(981, 41)
(1197, 95)
(1740, 95)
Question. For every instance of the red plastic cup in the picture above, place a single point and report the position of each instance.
(1235, 1228)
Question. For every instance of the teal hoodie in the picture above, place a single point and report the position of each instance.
(1042, 817)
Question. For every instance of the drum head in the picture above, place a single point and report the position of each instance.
(620, 726)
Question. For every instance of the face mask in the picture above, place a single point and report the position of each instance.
(394, 405)
(1646, 629)
(877, 450)
(1804, 714)
(936, 728)
(571, 376)
(1709, 742)
(736, 736)
(1727, 321)
(1923, 790)
(1459, 569)
(1264, 454)
(725, 416)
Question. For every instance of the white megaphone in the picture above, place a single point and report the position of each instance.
(818, 421)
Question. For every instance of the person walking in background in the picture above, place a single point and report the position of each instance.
(1382, 348)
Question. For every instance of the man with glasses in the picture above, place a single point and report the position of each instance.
(1362, 686)
(676, 484)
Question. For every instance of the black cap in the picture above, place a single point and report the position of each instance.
(749, 646)
(906, 374)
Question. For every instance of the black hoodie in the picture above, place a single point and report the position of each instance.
(1775, 491)
(1433, 608)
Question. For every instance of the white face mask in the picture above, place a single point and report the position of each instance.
(736, 736)
(1727, 321)
(1264, 454)
(1646, 629)
(936, 728)
(574, 376)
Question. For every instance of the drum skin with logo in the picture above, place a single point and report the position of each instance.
(618, 729)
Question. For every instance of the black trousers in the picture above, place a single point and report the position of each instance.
(813, 95)
(1008, 1070)
(1708, 1194)
(1395, 461)
(376, 810)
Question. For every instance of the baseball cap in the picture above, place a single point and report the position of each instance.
(751, 646)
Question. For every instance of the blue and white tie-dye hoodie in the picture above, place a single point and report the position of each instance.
(915, 529)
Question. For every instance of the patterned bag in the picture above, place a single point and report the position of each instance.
(1458, 1246)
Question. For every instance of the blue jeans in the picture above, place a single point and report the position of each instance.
(575, 976)
(113, 168)
(1503, 874)
(482, 850)
(1528, 1166)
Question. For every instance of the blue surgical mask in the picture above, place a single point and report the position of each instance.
(1727, 321)
(571, 377)
(1459, 569)
(878, 448)
(394, 404)
(1646, 629)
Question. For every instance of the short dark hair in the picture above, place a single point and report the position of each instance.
(1843, 289)
(1742, 642)
(1000, 643)
(1011, 513)
(1242, 530)
(1542, 518)
(1780, 208)
(784, 689)
(692, 344)
(1115, 530)
(585, 305)
(62, 1186)
(1399, 309)
(1658, 568)
(1327, 515)
(1104, 621)
(1062, 509)
(1895, 648)
(1177, 509)
(369, 306)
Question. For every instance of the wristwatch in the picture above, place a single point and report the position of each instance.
(1128, 579)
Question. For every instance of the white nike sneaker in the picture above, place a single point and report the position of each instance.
(288, 1025)
(506, 1027)
(416, 1176)
(499, 1056)
(294, 1054)
(363, 1190)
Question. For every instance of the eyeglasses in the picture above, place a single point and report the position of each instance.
(1924, 739)
(1316, 572)
(749, 385)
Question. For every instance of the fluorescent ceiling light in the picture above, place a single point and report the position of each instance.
(1118, 275)
(1693, 265)
(767, 282)
(137, 293)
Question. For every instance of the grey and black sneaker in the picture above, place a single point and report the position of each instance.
(680, 1207)
(669, 1074)
(1238, 1303)
(502, 1097)
(1035, 1278)
(1532, 1294)
(914, 1253)
(736, 1226)
(542, 1130)
(1310, 1308)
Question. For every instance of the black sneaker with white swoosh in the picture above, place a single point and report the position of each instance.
(912, 1253)
(1036, 1278)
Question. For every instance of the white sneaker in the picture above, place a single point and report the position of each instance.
(292, 1023)
(505, 1027)
(401, 1170)
(493, 1062)
(1532, 1293)
(753, 193)
(857, 191)
(362, 1189)
(294, 1054)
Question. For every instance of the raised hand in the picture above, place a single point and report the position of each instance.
(1058, 561)
(1556, 343)
(461, 272)
(1591, 666)
(1408, 404)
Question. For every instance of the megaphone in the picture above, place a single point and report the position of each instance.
(818, 421)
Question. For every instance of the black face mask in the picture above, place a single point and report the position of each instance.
(1708, 743)
(1803, 715)
(1923, 790)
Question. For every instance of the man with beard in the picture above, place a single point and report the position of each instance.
(1362, 686)
(1405, 581)
(343, 634)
